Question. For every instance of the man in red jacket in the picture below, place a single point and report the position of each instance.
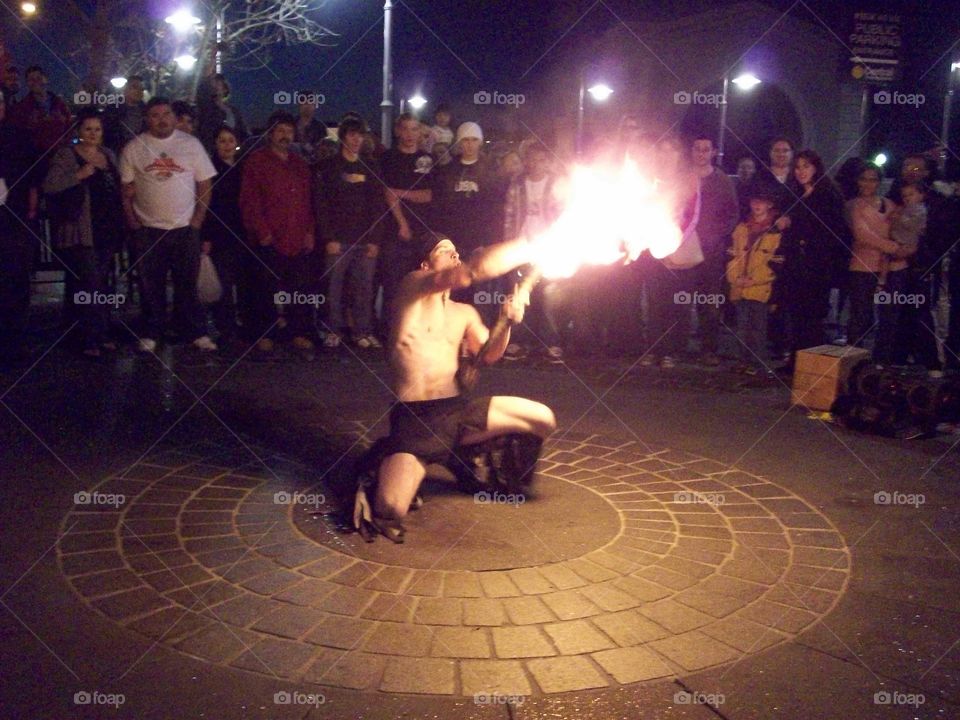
(275, 201)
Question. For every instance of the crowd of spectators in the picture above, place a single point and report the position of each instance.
(310, 230)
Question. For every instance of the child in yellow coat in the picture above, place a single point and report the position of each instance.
(751, 274)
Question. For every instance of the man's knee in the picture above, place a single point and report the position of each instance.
(399, 477)
(544, 422)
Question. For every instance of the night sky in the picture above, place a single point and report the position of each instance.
(451, 50)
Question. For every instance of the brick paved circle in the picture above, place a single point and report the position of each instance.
(692, 564)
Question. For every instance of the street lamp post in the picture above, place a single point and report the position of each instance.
(746, 82)
(599, 92)
(386, 106)
(947, 107)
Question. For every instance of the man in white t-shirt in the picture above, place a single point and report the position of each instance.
(166, 177)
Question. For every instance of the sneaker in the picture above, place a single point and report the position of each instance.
(265, 345)
(146, 345)
(648, 360)
(555, 354)
(368, 342)
(205, 344)
(668, 363)
(332, 340)
(840, 340)
(302, 343)
(710, 359)
(935, 374)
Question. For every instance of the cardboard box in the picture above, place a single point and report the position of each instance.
(821, 373)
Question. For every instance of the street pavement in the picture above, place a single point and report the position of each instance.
(175, 546)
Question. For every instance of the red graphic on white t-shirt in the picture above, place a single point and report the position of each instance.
(164, 167)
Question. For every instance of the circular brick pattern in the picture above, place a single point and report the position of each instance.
(704, 565)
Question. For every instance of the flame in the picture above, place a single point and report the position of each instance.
(611, 214)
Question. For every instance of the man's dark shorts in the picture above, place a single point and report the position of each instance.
(431, 429)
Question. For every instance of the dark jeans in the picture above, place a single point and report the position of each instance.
(285, 281)
(86, 292)
(863, 287)
(669, 319)
(16, 261)
(709, 278)
(952, 345)
(232, 268)
(351, 271)
(916, 332)
(175, 253)
(752, 332)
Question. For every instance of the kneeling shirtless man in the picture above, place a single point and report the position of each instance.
(431, 418)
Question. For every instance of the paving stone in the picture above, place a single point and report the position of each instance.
(347, 600)
(170, 624)
(816, 576)
(641, 589)
(340, 632)
(356, 574)
(438, 611)
(629, 628)
(395, 608)
(86, 542)
(244, 610)
(425, 582)
(570, 604)
(806, 598)
(131, 603)
(462, 584)
(352, 670)
(675, 617)
(822, 557)
(276, 657)
(576, 636)
(308, 592)
(460, 642)
(564, 674)
(204, 545)
(711, 603)
(494, 677)
(591, 571)
(742, 634)
(520, 642)
(618, 564)
(106, 583)
(527, 610)
(420, 676)
(389, 579)
(781, 617)
(632, 664)
(483, 611)
(695, 650)
(531, 581)
(391, 638)
(734, 587)
(497, 585)
(562, 576)
(609, 598)
(273, 582)
(327, 566)
(219, 643)
(291, 621)
(223, 558)
(205, 595)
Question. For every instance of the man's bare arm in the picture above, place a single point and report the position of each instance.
(203, 200)
(491, 262)
(415, 196)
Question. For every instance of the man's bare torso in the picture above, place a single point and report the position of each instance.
(425, 345)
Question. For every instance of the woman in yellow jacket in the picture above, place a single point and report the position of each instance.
(755, 247)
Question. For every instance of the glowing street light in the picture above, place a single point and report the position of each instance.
(417, 102)
(746, 81)
(28, 8)
(118, 82)
(880, 160)
(600, 92)
(182, 21)
(185, 62)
